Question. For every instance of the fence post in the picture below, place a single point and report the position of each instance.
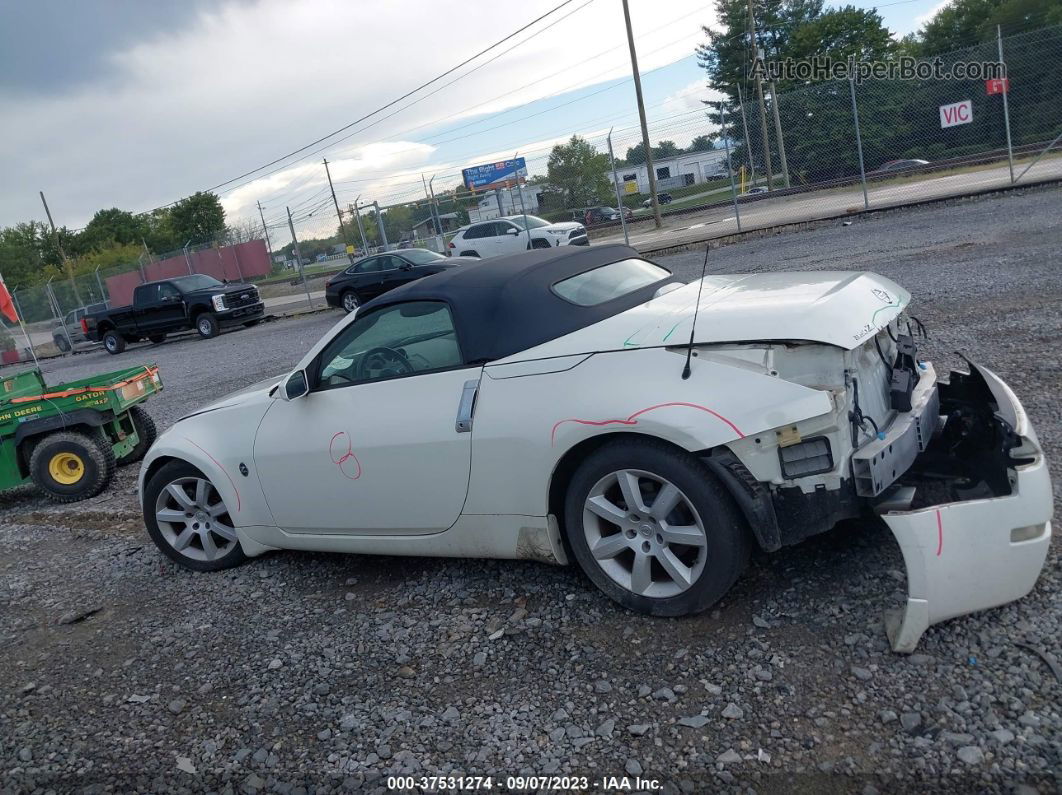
(615, 184)
(859, 145)
(187, 261)
(729, 166)
(99, 283)
(1006, 109)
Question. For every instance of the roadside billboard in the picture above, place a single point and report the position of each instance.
(495, 175)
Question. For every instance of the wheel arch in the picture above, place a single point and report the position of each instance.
(750, 497)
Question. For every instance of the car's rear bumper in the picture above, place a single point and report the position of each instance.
(966, 556)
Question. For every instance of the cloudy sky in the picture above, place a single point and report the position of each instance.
(134, 104)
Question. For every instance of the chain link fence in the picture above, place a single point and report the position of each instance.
(842, 146)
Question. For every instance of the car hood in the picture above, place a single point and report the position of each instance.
(255, 393)
(562, 226)
(836, 308)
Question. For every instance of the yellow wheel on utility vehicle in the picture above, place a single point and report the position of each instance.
(66, 468)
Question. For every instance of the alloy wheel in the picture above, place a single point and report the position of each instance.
(350, 302)
(193, 519)
(644, 533)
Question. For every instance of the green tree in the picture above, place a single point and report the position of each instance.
(635, 155)
(110, 227)
(703, 143)
(666, 149)
(199, 218)
(843, 33)
(578, 170)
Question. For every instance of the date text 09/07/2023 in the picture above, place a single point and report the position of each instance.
(530, 783)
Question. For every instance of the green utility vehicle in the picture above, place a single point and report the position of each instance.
(68, 439)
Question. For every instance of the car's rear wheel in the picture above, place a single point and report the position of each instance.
(189, 521)
(350, 301)
(113, 342)
(206, 325)
(653, 529)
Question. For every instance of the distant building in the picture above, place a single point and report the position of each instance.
(673, 172)
(496, 203)
(448, 222)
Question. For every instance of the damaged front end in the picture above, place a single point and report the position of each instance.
(971, 510)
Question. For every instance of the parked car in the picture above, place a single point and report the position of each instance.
(159, 308)
(546, 405)
(375, 275)
(69, 334)
(900, 165)
(662, 198)
(756, 190)
(508, 236)
(600, 215)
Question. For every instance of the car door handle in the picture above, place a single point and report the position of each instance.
(466, 407)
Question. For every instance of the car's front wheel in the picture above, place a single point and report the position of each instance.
(206, 325)
(113, 342)
(350, 301)
(189, 521)
(653, 529)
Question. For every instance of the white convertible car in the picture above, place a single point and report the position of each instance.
(584, 404)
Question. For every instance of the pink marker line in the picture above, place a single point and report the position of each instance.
(940, 534)
(219, 466)
(633, 419)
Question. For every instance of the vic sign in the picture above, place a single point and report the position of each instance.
(956, 113)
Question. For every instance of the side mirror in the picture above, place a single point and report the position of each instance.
(295, 386)
(512, 231)
(405, 266)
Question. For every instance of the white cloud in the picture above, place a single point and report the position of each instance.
(924, 18)
(251, 81)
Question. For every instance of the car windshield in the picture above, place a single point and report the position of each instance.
(421, 256)
(187, 284)
(533, 221)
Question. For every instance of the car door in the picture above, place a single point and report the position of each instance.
(147, 307)
(390, 270)
(511, 238)
(376, 446)
(404, 273)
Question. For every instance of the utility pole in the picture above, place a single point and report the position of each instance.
(859, 144)
(380, 226)
(339, 213)
(62, 254)
(641, 115)
(759, 99)
(435, 210)
(361, 229)
(298, 256)
(778, 133)
(265, 229)
(615, 184)
(745, 127)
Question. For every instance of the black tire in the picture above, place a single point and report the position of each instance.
(728, 546)
(206, 325)
(349, 301)
(113, 342)
(62, 343)
(157, 339)
(470, 254)
(89, 458)
(146, 433)
(169, 473)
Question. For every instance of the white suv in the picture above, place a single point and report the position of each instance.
(510, 236)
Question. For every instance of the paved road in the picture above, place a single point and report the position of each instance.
(720, 220)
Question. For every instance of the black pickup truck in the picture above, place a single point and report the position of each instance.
(185, 302)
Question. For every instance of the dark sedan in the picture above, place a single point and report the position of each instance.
(375, 275)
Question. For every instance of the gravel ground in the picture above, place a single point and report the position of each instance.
(317, 673)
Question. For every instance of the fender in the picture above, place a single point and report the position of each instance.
(67, 419)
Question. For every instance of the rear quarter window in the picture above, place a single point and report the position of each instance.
(608, 282)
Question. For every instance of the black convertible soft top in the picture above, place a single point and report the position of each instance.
(504, 305)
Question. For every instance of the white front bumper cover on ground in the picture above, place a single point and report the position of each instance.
(967, 556)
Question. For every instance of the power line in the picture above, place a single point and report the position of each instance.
(395, 101)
